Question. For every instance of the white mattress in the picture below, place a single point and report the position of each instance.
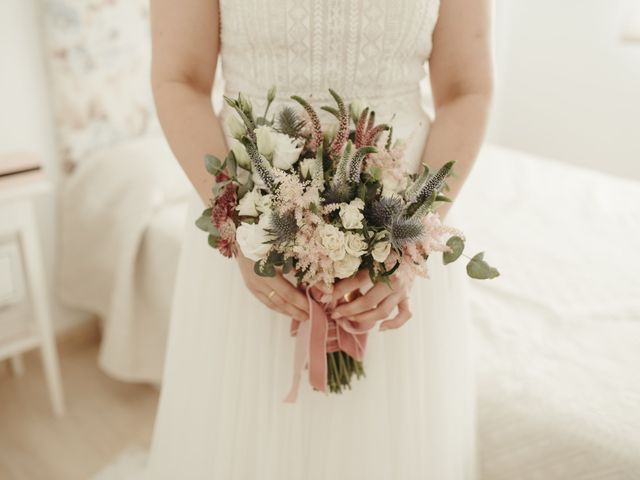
(558, 334)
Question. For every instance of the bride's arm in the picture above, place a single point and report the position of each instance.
(186, 42)
(185, 45)
(461, 79)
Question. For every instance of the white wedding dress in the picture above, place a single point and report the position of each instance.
(230, 359)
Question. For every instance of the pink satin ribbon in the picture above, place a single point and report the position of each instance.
(313, 342)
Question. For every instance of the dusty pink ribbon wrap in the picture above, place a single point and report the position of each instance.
(318, 336)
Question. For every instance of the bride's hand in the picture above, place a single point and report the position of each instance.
(378, 302)
(275, 292)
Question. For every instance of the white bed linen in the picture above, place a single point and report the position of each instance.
(558, 334)
(121, 216)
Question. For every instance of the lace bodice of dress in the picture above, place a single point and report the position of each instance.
(360, 48)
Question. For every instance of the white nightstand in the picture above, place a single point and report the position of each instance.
(20, 250)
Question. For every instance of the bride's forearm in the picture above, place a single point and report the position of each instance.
(191, 128)
(457, 134)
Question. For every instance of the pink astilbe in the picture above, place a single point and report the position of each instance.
(225, 205)
(436, 234)
(413, 259)
(311, 253)
(227, 241)
(389, 164)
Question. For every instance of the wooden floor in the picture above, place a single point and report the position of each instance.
(104, 417)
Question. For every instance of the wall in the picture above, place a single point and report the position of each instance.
(567, 87)
(25, 117)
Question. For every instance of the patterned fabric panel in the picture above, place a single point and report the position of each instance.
(99, 55)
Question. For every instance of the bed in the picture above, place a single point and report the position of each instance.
(558, 334)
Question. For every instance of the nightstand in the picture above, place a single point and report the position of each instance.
(22, 278)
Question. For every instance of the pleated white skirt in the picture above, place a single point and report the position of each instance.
(229, 366)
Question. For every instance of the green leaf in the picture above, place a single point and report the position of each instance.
(479, 269)
(204, 222)
(214, 240)
(288, 265)
(376, 173)
(264, 269)
(232, 164)
(275, 258)
(387, 273)
(456, 244)
(212, 164)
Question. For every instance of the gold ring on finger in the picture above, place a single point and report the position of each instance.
(349, 296)
(271, 294)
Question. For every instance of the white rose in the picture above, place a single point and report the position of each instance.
(247, 206)
(358, 203)
(286, 151)
(381, 251)
(351, 214)
(236, 126)
(346, 267)
(265, 136)
(243, 175)
(308, 167)
(240, 152)
(355, 244)
(333, 241)
(264, 203)
(251, 238)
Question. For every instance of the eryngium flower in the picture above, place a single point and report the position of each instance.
(403, 231)
(283, 227)
(383, 212)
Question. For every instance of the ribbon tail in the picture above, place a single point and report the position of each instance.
(300, 355)
(318, 346)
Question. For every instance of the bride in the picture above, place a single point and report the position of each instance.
(229, 360)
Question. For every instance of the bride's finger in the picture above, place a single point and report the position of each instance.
(359, 280)
(404, 314)
(364, 303)
(276, 302)
(380, 312)
(289, 293)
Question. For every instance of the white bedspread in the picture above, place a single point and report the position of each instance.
(558, 352)
(122, 215)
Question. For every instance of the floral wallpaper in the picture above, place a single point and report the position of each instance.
(99, 57)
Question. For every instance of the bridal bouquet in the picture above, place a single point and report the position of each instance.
(320, 204)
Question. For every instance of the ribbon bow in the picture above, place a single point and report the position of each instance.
(317, 336)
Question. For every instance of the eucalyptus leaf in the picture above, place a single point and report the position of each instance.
(456, 244)
(232, 164)
(275, 258)
(288, 265)
(212, 164)
(264, 269)
(387, 273)
(479, 269)
(204, 222)
(214, 240)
